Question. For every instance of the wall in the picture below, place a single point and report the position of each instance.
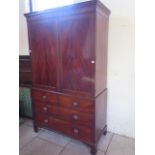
(121, 112)
(120, 65)
(23, 34)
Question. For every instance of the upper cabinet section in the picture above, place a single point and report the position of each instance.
(64, 46)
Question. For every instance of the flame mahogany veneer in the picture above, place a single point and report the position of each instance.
(68, 51)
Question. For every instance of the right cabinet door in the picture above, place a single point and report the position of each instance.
(76, 43)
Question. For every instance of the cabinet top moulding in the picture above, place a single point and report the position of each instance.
(83, 7)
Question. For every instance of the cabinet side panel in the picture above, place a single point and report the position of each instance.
(100, 114)
(101, 52)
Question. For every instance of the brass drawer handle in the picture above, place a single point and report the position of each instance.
(45, 108)
(46, 121)
(44, 97)
(75, 117)
(76, 131)
(75, 104)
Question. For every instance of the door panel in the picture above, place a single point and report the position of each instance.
(77, 56)
(43, 41)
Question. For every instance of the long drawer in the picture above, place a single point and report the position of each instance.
(79, 132)
(72, 116)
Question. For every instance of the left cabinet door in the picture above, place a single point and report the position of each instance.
(43, 44)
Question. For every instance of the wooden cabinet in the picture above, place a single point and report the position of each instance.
(69, 70)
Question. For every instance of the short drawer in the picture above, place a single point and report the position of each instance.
(78, 132)
(44, 96)
(70, 115)
(84, 105)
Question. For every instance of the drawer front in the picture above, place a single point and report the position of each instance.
(72, 116)
(78, 132)
(74, 103)
(44, 96)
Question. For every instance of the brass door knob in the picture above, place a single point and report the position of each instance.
(46, 121)
(75, 117)
(45, 108)
(44, 97)
(76, 131)
(75, 104)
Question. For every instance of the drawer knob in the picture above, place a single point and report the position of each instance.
(75, 104)
(44, 97)
(76, 131)
(75, 117)
(46, 121)
(45, 108)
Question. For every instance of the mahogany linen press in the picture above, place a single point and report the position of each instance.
(68, 52)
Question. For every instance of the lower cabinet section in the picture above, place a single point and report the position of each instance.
(78, 117)
(67, 114)
(82, 133)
